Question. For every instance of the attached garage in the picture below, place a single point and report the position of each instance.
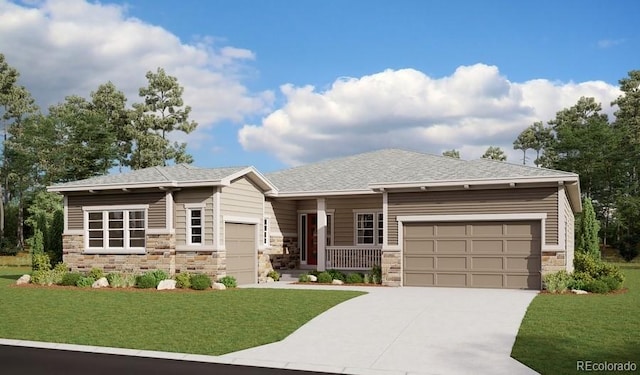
(480, 254)
(240, 242)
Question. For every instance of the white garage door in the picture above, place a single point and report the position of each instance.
(240, 242)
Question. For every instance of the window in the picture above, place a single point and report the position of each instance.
(115, 230)
(328, 230)
(369, 228)
(194, 226)
(265, 232)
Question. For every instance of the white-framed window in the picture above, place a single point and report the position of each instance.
(118, 230)
(368, 228)
(265, 232)
(195, 220)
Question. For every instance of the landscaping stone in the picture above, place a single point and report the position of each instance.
(218, 286)
(313, 278)
(270, 280)
(337, 282)
(100, 283)
(24, 279)
(167, 285)
(578, 291)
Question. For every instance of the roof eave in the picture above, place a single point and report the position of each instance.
(319, 193)
(476, 182)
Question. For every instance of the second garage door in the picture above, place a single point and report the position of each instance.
(240, 242)
(472, 254)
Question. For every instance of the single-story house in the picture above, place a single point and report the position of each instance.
(427, 220)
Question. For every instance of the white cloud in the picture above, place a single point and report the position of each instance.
(607, 43)
(66, 47)
(471, 109)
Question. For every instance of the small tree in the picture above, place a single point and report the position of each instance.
(453, 153)
(587, 231)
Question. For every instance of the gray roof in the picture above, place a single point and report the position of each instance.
(156, 176)
(393, 166)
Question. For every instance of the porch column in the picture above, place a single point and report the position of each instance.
(322, 233)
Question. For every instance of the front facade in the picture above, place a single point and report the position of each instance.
(426, 220)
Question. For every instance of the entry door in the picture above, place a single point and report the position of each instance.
(312, 239)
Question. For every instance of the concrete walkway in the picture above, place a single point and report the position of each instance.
(405, 330)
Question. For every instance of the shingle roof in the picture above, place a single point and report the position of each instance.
(156, 175)
(397, 166)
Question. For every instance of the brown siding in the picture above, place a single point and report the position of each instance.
(307, 205)
(343, 216)
(241, 198)
(156, 201)
(508, 201)
(193, 196)
(283, 217)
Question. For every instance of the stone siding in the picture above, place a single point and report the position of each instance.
(284, 253)
(211, 263)
(553, 261)
(391, 268)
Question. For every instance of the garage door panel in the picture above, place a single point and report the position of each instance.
(451, 246)
(417, 246)
(487, 263)
(416, 263)
(487, 246)
(473, 254)
(451, 263)
(241, 258)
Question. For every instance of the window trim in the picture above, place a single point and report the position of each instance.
(376, 227)
(189, 227)
(266, 236)
(104, 210)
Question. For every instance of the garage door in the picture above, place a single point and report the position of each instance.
(472, 254)
(240, 243)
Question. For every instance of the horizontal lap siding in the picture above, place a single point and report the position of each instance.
(282, 216)
(508, 201)
(156, 200)
(243, 199)
(193, 196)
(343, 216)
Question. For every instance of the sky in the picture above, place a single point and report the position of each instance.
(279, 83)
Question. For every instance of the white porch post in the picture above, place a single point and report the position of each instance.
(385, 221)
(322, 233)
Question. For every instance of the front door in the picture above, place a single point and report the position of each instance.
(312, 239)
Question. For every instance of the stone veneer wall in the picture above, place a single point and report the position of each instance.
(211, 263)
(283, 253)
(391, 268)
(553, 261)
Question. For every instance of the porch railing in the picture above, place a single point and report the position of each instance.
(352, 257)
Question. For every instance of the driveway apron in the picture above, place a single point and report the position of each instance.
(407, 330)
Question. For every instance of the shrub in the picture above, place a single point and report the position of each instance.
(42, 277)
(596, 268)
(597, 286)
(612, 282)
(40, 261)
(557, 282)
(59, 271)
(579, 280)
(71, 278)
(587, 231)
(229, 281)
(146, 281)
(376, 274)
(274, 275)
(85, 282)
(183, 280)
(337, 275)
(121, 280)
(366, 278)
(200, 281)
(314, 273)
(159, 275)
(96, 273)
(324, 277)
(354, 278)
(304, 278)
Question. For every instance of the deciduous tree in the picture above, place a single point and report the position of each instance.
(494, 153)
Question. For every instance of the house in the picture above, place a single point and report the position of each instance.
(427, 220)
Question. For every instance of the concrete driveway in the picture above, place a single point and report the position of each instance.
(404, 330)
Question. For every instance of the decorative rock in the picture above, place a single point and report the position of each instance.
(167, 285)
(218, 286)
(313, 278)
(578, 291)
(270, 280)
(337, 282)
(100, 283)
(24, 279)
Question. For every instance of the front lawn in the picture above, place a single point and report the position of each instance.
(208, 322)
(560, 330)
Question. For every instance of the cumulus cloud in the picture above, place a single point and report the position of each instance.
(66, 47)
(471, 109)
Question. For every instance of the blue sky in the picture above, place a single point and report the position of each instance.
(279, 83)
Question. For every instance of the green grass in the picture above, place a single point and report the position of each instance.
(208, 322)
(22, 259)
(559, 330)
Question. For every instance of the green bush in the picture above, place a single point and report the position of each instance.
(96, 273)
(324, 277)
(597, 286)
(42, 277)
(366, 278)
(229, 281)
(314, 273)
(557, 282)
(121, 280)
(183, 280)
(354, 278)
(304, 278)
(40, 262)
(579, 280)
(200, 281)
(612, 282)
(595, 268)
(85, 282)
(629, 247)
(146, 281)
(159, 275)
(274, 275)
(71, 278)
(376, 274)
(337, 275)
